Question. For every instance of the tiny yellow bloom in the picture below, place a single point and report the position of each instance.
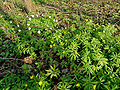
(63, 52)
(74, 44)
(103, 31)
(108, 25)
(26, 85)
(78, 85)
(93, 29)
(65, 40)
(53, 44)
(59, 36)
(46, 29)
(90, 20)
(31, 77)
(95, 45)
(94, 86)
(65, 27)
(40, 83)
(77, 35)
(50, 46)
(55, 75)
(51, 41)
(86, 19)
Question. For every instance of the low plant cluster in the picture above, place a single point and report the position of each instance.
(38, 52)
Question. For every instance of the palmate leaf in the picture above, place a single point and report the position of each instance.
(26, 68)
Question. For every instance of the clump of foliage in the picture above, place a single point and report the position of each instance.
(68, 53)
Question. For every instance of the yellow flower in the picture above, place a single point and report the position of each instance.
(46, 29)
(94, 86)
(86, 19)
(26, 85)
(65, 27)
(53, 44)
(50, 46)
(63, 52)
(65, 40)
(91, 21)
(103, 31)
(95, 45)
(74, 44)
(93, 29)
(51, 41)
(108, 25)
(77, 35)
(59, 36)
(55, 75)
(40, 83)
(78, 85)
(31, 77)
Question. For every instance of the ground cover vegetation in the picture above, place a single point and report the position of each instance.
(62, 45)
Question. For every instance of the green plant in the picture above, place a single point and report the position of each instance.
(64, 86)
(53, 72)
(39, 65)
(74, 38)
(26, 68)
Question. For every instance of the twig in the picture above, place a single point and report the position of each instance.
(11, 58)
(39, 27)
(4, 72)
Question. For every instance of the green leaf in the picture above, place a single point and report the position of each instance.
(26, 68)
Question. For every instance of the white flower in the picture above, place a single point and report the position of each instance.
(49, 16)
(18, 26)
(30, 19)
(26, 16)
(4, 2)
(51, 28)
(32, 15)
(10, 21)
(56, 20)
(19, 30)
(36, 15)
(29, 28)
(28, 24)
(39, 32)
(1, 16)
(42, 14)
